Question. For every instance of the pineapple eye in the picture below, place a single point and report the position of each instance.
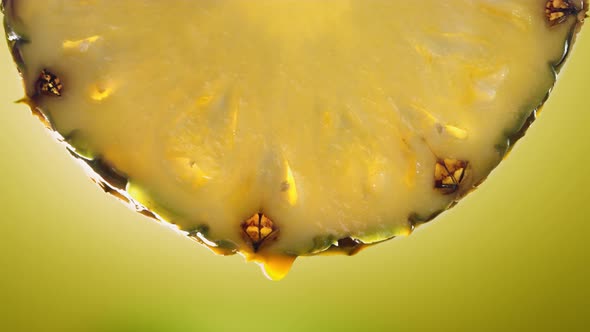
(448, 175)
(557, 11)
(258, 229)
(49, 84)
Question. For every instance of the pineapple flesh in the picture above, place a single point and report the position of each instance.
(276, 129)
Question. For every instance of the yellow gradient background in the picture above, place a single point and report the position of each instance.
(513, 256)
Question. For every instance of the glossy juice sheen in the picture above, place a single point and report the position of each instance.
(512, 256)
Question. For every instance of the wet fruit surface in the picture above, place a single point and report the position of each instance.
(291, 128)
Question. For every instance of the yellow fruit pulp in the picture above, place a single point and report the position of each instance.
(334, 119)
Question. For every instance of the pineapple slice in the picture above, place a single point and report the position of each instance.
(276, 129)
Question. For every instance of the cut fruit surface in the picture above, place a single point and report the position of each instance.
(277, 129)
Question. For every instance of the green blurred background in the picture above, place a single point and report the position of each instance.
(513, 256)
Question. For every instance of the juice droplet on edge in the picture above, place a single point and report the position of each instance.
(274, 266)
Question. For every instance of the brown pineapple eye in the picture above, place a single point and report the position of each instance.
(557, 11)
(258, 229)
(49, 84)
(448, 175)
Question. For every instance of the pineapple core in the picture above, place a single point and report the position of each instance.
(277, 129)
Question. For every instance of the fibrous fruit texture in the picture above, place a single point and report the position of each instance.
(281, 128)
